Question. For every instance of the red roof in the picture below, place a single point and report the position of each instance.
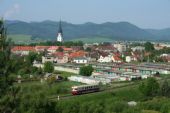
(53, 48)
(23, 48)
(117, 54)
(117, 58)
(59, 54)
(77, 54)
(42, 47)
(103, 54)
(67, 49)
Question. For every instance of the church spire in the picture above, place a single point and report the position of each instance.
(60, 28)
(60, 33)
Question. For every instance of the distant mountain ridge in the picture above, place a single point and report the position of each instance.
(117, 31)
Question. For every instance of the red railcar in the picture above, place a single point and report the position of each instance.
(77, 90)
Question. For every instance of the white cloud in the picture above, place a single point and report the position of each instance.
(12, 11)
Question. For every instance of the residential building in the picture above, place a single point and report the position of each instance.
(52, 49)
(130, 59)
(61, 57)
(158, 47)
(47, 58)
(120, 47)
(80, 60)
(77, 54)
(116, 59)
(138, 48)
(22, 50)
(41, 48)
(105, 58)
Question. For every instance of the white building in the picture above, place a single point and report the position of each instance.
(60, 34)
(130, 59)
(105, 59)
(86, 80)
(138, 48)
(47, 59)
(80, 60)
(120, 47)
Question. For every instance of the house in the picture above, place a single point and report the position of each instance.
(80, 60)
(116, 59)
(104, 58)
(165, 57)
(22, 50)
(52, 49)
(41, 48)
(120, 47)
(67, 49)
(138, 48)
(158, 47)
(131, 58)
(47, 58)
(77, 54)
(61, 57)
(106, 48)
(93, 56)
(76, 48)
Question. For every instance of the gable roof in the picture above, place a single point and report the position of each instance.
(117, 58)
(23, 48)
(41, 47)
(53, 48)
(77, 54)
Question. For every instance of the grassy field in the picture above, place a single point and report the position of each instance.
(110, 101)
(57, 88)
(94, 39)
(64, 74)
(20, 38)
(23, 39)
(26, 39)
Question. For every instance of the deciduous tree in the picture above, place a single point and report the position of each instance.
(48, 67)
(150, 87)
(86, 70)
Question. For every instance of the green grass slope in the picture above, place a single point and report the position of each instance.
(94, 39)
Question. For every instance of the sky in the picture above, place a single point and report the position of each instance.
(143, 13)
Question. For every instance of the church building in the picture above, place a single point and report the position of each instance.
(60, 33)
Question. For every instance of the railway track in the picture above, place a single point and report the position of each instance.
(68, 96)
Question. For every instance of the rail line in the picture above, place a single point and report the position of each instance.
(68, 96)
(62, 97)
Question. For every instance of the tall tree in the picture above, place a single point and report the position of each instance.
(165, 89)
(48, 67)
(5, 61)
(86, 70)
(150, 87)
(7, 91)
(149, 46)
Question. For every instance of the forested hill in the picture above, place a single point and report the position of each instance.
(116, 31)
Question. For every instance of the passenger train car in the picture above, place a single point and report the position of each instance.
(77, 90)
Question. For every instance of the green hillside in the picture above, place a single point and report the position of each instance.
(47, 30)
(94, 39)
(22, 39)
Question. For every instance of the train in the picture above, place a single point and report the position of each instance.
(83, 89)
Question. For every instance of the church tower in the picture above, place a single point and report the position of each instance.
(60, 33)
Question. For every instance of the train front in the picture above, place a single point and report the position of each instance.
(74, 90)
